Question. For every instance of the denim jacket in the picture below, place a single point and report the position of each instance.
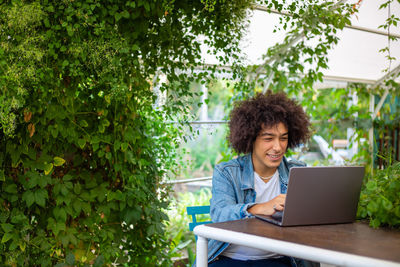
(233, 193)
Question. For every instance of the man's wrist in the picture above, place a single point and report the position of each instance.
(253, 209)
(262, 208)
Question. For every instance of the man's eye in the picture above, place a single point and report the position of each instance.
(268, 139)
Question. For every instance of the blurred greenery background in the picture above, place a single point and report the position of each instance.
(333, 111)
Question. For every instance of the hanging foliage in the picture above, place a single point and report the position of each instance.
(296, 63)
(83, 148)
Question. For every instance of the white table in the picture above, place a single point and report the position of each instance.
(353, 244)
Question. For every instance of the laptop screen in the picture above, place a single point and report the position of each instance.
(322, 195)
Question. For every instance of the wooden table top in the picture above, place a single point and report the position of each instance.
(353, 238)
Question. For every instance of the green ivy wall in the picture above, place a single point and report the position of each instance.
(83, 148)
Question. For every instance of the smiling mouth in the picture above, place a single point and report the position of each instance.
(274, 156)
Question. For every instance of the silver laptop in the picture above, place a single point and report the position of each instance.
(320, 195)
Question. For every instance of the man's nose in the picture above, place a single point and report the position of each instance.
(277, 145)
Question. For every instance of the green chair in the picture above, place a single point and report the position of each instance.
(195, 210)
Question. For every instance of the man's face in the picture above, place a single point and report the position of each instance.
(269, 148)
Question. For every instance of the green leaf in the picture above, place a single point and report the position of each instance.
(135, 47)
(43, 181)
(387, 204)
(64, 190)
(65, 63)
(124, 146)
(81, 143)
(372, 207)
(70, 30)
(77, 188)
(117, 145)
(117, 17)
(57, 227)
(86, 207)
(101, 128)
(15, 158)
(13, 245)
(22, 246)
(151, 230)
(67, 177)
(183, 245)
(397, 211)
(40, 197)
(11, 188)
(146, 6)
(371, 185)
(32, 180)
(54, 132)
(105, 122)
(60, 214)
(84, 123)
(2, 176)
(48, 167)
(7, 227)
(132, 215)
(70, 259)
(99, 261)
(29, 198)
(6, 237)
(77, 204)
(125, 14)
(69, 185)
(19, 218)
(46, 22)
(375, 223)
(191, 255)
(58, 161)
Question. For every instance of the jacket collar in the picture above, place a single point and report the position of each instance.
(248, 172)
(284, 171)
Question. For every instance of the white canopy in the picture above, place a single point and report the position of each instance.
(356, 57)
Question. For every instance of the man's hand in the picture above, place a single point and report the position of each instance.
(269, 208)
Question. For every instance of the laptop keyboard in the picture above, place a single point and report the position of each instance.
(277, 216)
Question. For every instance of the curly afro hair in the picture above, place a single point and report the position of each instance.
(248, 117)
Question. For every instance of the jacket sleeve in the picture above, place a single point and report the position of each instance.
(225, 204)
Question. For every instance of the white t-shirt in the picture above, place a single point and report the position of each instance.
(264, 192)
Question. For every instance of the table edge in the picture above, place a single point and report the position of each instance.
(289, 248)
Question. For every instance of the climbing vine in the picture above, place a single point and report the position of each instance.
(84, 148)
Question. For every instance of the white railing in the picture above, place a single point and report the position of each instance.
(190, 180)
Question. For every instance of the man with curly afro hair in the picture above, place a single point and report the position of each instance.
(261, 130)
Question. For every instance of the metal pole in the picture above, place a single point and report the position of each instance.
(358, 28)
(371, 131)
